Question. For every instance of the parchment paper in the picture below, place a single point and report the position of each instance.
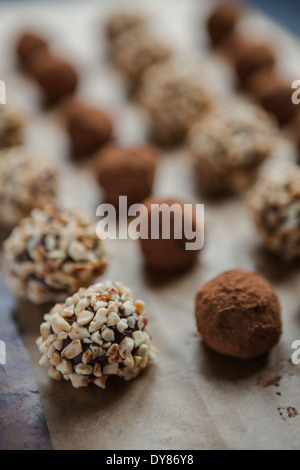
(191, 398)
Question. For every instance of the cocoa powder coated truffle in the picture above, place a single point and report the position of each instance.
(28, 43)
(252, 58)
(55, 76)
(229, 145)
(97, 333)
(273, 93)
(126, 171)
(238, 314)
(222, 21)
(88, 127)
(52, 253)
(168, 254)
(174, 98)
(26, 181)
(275, 203)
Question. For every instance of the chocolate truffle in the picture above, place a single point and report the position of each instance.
(135, 51)
(238, 314)
(28, 43)
(273, 93)
(121, 21)
(275, 202)
(55, 76)
(222, 21)
(168, 254)
(252, 58)
(174, 98)
(88, 127)
(26, 181)
(229, 145)
(52, 253)
(126, 171)
(97, 333)
(11, 128)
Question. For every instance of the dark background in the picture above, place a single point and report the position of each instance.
(286, 12)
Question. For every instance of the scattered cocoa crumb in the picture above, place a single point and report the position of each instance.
(273, 375)
(288, 412)
(267, 382)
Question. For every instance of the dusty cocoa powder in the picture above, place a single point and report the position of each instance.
(238, 314)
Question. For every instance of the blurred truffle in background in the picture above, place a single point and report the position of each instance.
(168, 253)
(252, 57)
(55, 76)
(134, 51)
(174, 97)
(223, 20)
(121, 21)
(126, 171)
(229, 145)
(88, 127)
(29, 42)
(275, 202)
(273, 93)
(27, 180)
(11, 128)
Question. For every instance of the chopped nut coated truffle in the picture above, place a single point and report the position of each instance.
(238, 314)
(135, 51)
(52, 253)
(174, 98)
(26, 181)
(98, 332)
(275, 204)
(229, 145)
(120, 22)
(11, 128)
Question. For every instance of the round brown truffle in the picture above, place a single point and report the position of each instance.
(222, 21)
(88, 127)
(168, 254)
(55, 76)
(251, 58)
(135, 51)
(175, 96)
(238, 314)
(121, 21)
(126, 171)
(273, 93)
(28, 43)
